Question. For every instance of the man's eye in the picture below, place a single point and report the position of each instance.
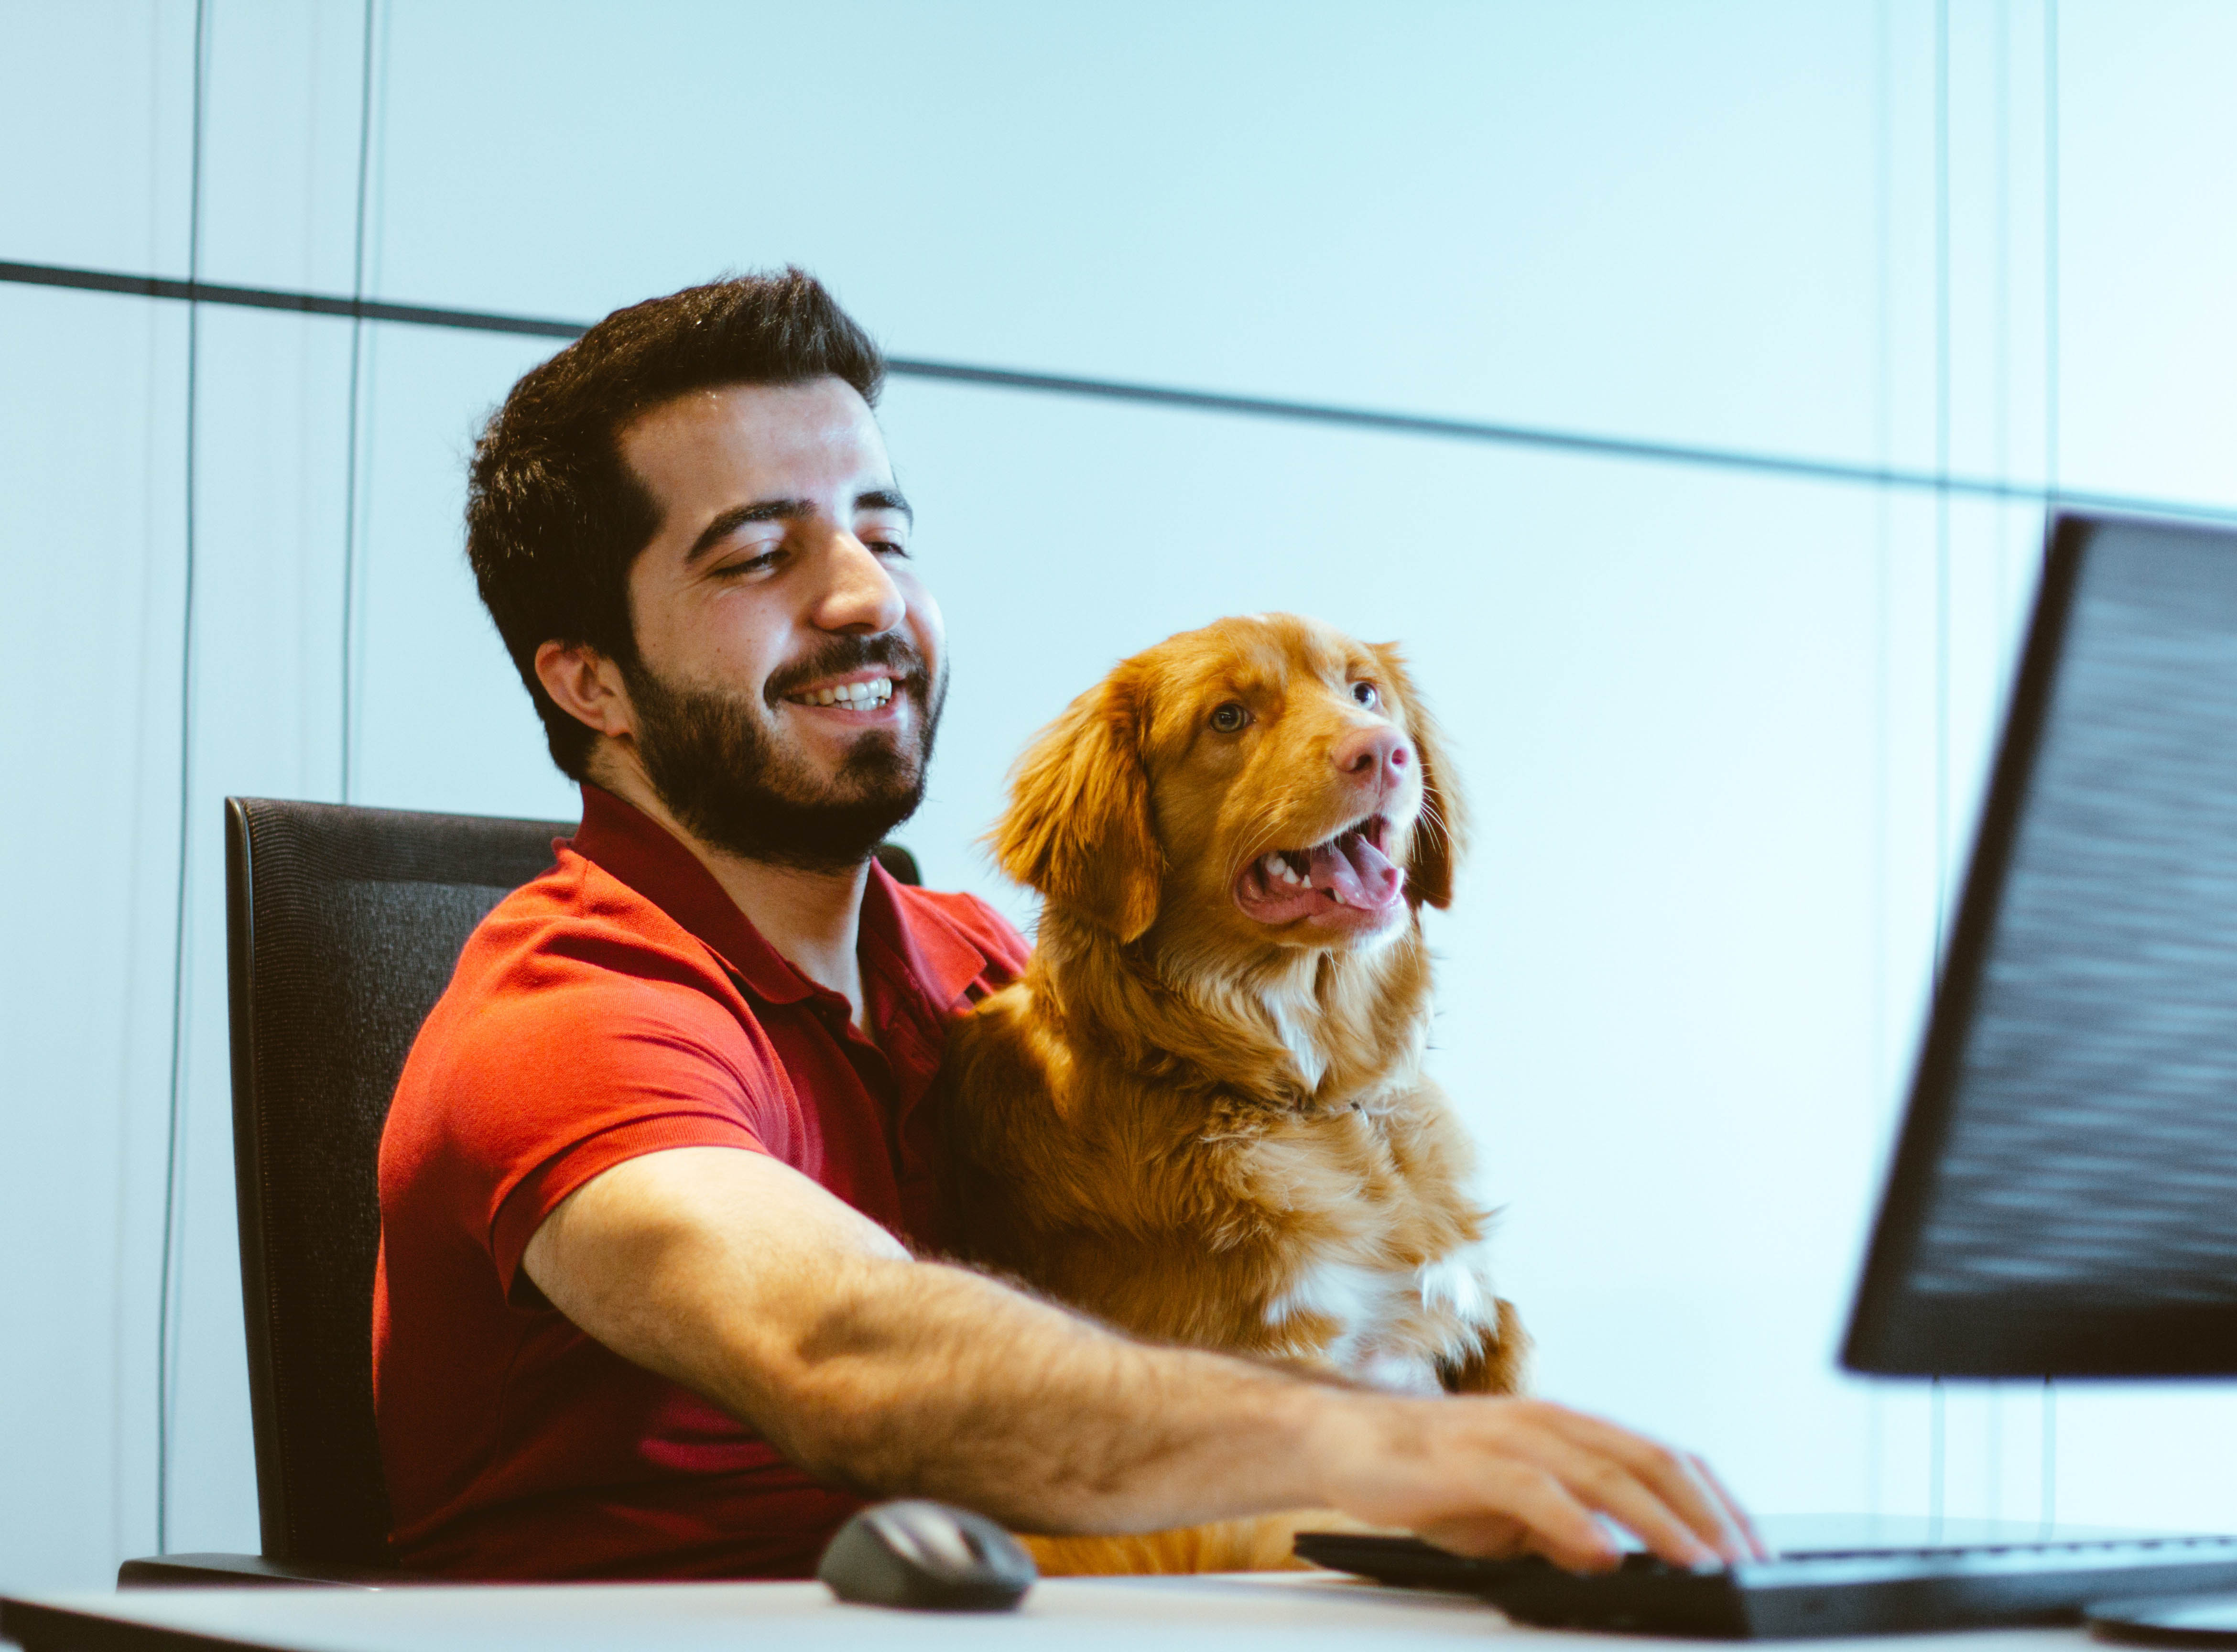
(1231, 716)
(887, 547)
(761, 564)
(1366, 695)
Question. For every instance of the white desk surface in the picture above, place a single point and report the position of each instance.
(1296, 1612)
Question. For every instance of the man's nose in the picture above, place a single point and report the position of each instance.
(1377, 758)
(860, 595)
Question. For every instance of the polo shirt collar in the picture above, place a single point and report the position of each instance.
(941, 957)
(629, 844)
(641, 852)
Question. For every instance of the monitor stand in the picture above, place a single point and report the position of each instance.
(2201, 1619)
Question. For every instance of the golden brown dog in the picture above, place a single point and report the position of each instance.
(1200, 1115)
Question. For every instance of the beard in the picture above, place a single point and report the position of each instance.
(715, 760)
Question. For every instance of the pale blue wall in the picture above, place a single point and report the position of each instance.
(1696, 708)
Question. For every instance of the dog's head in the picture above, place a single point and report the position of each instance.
(1266, 776)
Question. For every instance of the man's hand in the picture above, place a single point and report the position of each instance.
(743, 1280)
(1497, 1476)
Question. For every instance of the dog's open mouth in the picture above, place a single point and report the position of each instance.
(1346, 878)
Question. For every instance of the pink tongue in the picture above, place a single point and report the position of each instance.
(1356, 870)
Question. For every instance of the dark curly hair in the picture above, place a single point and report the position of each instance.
(556, 519)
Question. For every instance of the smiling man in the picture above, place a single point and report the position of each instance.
(661, 1194)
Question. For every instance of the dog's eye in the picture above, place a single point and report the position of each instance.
(1365, 694)
(1231, 716)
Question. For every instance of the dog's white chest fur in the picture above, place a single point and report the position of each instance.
(1296, 1023)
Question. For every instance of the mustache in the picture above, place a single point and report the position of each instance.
(890, 652)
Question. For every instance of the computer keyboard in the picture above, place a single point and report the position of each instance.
(1857, 1592)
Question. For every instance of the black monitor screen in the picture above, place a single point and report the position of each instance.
(2064, 1198)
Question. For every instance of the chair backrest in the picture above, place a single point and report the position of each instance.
(343, 926)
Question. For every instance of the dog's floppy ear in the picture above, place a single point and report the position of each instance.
(1440, 834)
(1078, 828)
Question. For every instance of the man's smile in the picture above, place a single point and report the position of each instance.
(859, 696)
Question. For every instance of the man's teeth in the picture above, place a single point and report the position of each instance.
(861, 697)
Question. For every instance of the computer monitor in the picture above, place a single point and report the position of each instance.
(2063, 1201)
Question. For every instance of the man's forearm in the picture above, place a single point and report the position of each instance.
(927, 1380)
(740, 1280)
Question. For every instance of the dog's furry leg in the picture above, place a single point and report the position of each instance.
(1262, 1544)
(1500, 1362)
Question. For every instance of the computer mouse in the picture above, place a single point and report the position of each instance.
(927, 1556)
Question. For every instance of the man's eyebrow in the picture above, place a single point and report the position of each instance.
(728, 522)
(738, 516)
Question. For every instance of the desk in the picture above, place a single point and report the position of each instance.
(1291, 1613)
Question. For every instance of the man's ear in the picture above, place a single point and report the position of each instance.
(1078, 828)
(1441, 834)
(587, 686)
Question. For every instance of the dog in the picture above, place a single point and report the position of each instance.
(1200, 1114)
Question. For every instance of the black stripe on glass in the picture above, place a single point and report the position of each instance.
(1389, 423)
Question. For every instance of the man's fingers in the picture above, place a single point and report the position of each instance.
(1678, 1486)
(1553, 1495)
(1515, 1470)
(1757, 1547)
(1551, 1521)
(1612, 1488)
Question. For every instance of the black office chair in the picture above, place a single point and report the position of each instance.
(342, 927)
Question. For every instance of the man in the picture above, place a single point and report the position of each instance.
(657, 1196)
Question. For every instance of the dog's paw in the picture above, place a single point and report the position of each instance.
(1499, 1364)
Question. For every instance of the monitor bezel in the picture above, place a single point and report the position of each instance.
(1893, 1330)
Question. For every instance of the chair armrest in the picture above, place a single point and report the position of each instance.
(239, 1571)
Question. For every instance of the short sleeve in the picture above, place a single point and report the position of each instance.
(553, 1088)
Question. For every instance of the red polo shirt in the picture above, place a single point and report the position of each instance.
(619, 1005)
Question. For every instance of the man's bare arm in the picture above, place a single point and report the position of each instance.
(748, 1282)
